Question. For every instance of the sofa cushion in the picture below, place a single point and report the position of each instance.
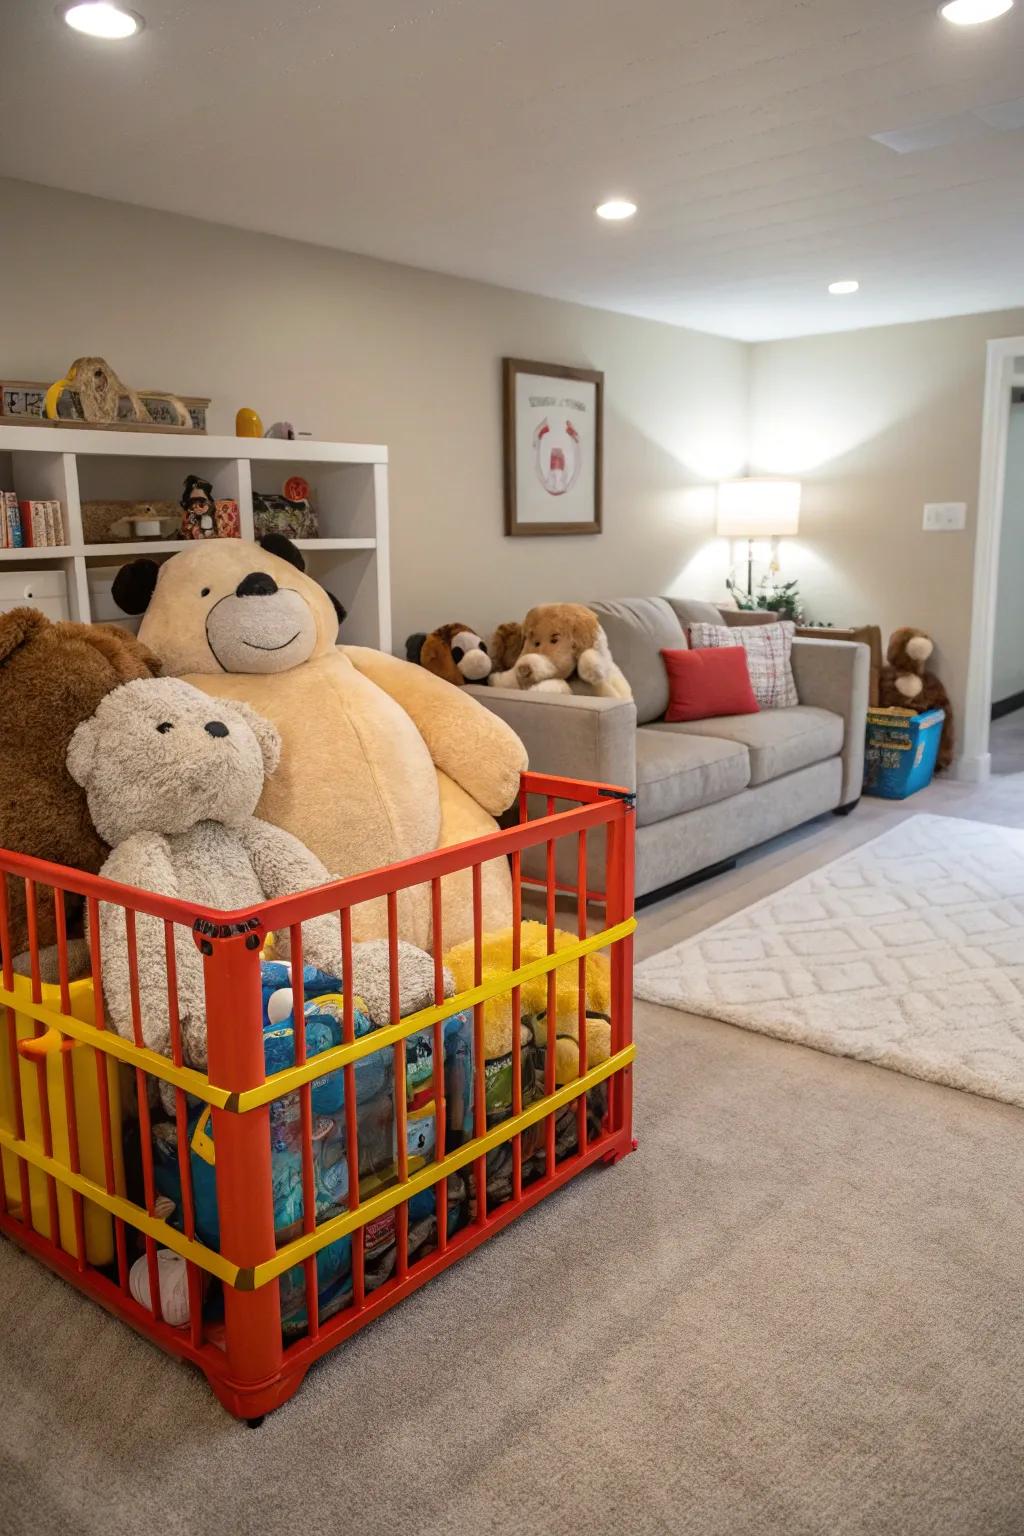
(690, 610)
(676, 773)
(638, 630)
(779, 740)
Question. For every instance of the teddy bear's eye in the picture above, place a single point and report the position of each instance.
(165, 726)
(457, 653)
(555, 639)
(205, 592)
(483, 647)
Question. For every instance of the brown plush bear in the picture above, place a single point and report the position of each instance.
(560, 642)
(904, 684)
(52, 676)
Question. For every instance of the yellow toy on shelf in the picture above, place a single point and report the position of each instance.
(48, 1051)
(533, 997)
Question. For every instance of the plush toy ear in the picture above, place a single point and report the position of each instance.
(18, 626)
(82, 752)
(284, 549)
(134, 585)
(266, 734)
(339, 608)
(414, 647)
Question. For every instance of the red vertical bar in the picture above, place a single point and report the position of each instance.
(188, 1214)
(348, 1034)
(581, 987)
(305, 1128)
(13, 1059)
(142, 1095)
(38, 1030)
(401, 1091)
(551, 1026)
(440, 1089)
(479, 1079)
(67, 1050)
(102, 1089)
(619, 885)
(245, 1197)
(516, 1007)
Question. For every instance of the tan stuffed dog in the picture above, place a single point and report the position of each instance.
(561, 642)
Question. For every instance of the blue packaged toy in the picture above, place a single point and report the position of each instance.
(376, 1128)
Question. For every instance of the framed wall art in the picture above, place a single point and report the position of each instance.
(553, 448)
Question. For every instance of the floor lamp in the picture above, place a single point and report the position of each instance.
(757, 507)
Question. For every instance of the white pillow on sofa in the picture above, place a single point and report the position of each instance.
(768, 648)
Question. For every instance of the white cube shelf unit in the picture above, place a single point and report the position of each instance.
(349, 484)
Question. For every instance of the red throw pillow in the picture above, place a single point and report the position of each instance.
(706, 683)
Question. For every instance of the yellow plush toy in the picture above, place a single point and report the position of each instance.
(380, 759)
(497, 959)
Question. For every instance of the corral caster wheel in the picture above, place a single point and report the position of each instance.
(255, 1423)
(844, 810)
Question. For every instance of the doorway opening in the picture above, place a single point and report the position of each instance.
(993, 737)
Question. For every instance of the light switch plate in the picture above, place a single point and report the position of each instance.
(945, 516)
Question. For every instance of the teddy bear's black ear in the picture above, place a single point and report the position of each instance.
(284, 549)
(134, 585)
(339, 608)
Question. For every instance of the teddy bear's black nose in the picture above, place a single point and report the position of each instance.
(256, 584)
(216, 728)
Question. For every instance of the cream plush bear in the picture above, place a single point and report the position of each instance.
(558, 645)
(172, 780)
(380, 759)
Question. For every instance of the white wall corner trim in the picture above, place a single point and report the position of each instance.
(973, 762)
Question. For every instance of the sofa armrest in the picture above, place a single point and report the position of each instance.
(834, 674)
(570, 734)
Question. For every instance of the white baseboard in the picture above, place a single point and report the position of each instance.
(972, 770)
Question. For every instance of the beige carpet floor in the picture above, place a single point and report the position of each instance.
(795, 1312)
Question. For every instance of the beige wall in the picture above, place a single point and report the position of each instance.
(364, 351)
(876, 423)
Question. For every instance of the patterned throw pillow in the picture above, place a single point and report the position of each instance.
(768, 648)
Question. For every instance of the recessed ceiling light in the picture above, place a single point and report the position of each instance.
(970, 13)
(98, 18)
(845, 285)
(616, 208)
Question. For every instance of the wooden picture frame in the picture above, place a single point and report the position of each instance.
(554, 448)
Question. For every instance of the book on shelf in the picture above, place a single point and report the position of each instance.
(13, 536)
(41, 523)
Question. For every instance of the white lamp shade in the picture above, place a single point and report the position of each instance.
(758, 508)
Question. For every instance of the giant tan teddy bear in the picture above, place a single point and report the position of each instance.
(380, 760)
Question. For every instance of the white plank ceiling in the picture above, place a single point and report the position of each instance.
(474, 137)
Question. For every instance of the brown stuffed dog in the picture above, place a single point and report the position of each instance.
(454, 652)
(559, 642)
(905, 684)
(52, 676)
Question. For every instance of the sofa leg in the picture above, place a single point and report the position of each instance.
(697, 878)
(844, 810)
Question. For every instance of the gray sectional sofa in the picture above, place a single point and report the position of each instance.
(708, 789)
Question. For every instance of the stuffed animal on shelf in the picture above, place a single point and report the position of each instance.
(380, 759)
(454, 652)
(905, 684)
(562, 644)
(52, 676)
(533, 999)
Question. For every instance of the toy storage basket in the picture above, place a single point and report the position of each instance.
(900, 751)
(81, 1167)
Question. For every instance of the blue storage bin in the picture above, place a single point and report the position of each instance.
(900, 751)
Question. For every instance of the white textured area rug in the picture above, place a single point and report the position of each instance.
(908, 952)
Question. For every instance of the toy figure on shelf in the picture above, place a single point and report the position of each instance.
(205, 518)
